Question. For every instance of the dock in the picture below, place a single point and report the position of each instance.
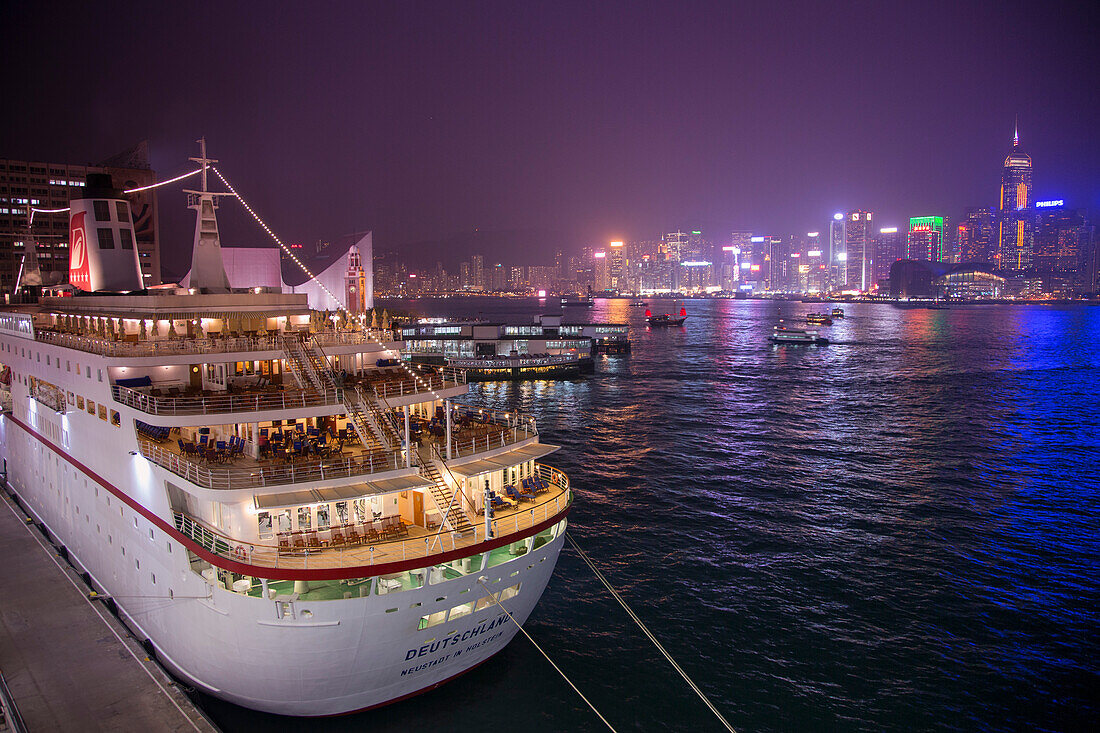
(69, 664)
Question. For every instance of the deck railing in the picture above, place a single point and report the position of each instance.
(350, 338)
(162, 347)
(272, 474)
(502, 429)
(248, 402)
(201, 345)
(424, 383)
(269, 555)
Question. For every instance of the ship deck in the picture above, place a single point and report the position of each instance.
(418, 544)
(242, 471)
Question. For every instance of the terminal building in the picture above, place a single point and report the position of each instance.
(964, 281)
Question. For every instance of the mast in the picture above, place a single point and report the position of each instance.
(207, 266)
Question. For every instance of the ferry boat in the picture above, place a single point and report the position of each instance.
(289, 526)
(838, 313)
(666, 319)
(796, 336)
(819, 319)
(544, 348)
(583, 301)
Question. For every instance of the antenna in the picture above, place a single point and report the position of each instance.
(1015, 134)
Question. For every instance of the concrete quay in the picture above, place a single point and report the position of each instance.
(69, 664)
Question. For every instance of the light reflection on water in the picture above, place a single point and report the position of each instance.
(896, 531)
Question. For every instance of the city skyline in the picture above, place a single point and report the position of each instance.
(576, 124)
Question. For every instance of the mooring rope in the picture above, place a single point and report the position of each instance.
(645, 629)
(548, 659)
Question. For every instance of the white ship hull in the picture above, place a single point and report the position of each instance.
(326, 658)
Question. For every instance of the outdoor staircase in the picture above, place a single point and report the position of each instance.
(453, 516)
(310, 369)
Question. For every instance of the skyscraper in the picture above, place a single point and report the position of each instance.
(601, 273)
(837, 255)
(925, 240)
(477, 273)
(889, 247)
(1062, 243)
(859, 253)
(976, 236)
(676, 244)
(615, 265)
(1015, 235)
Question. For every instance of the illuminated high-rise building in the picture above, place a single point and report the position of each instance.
(925, 240)
(676, 245)
(1063, 239)
(1015, 236)
(859, 253)
(477, 273)
(889, 247)
(601, 274)
(836, 254)
(616, 262)
(976, 236)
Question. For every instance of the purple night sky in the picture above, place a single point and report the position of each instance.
(574, 123)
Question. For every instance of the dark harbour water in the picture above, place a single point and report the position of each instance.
(894, 532)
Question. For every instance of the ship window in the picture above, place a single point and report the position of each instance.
(305, 520)
(106, 238)
(432, 619)
(102, 211)
(464, 609)
(322, 516)
(103, 412)
(79, 402)
(510, 592)
(263, 520)
(127, 238)
(122, 211)
(116, 419)
(91, 407)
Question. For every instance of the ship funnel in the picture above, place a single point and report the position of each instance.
(103, 251)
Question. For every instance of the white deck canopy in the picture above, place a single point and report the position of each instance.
(502, 460)
(341, 493)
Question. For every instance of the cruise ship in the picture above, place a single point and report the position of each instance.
(294, 519)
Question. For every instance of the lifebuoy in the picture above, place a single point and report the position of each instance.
(239, 551)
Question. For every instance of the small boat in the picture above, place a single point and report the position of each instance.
(838, 312)
(819, 319)
(666, 319)
(937, 306)
(638, 304)
(583, 301)
(796, 336)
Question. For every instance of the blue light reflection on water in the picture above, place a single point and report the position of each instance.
(895, 531)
